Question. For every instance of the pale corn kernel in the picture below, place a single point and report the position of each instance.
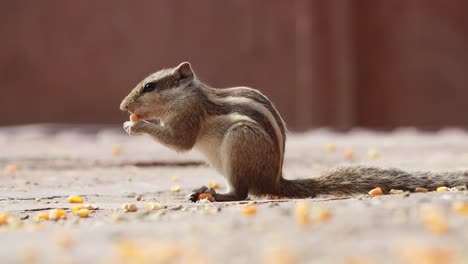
(460, 207)
(249, 210)
(174, 178)
(373, 154)
(83, 213)
(213, 184)
(75, 199)
(129, 207)
(64, 240)
(375, 192)
(458, 188)
(134, 118)
(302, 214)
(207, 196)
(4, 218)
(421, 190)
(434, 220)
(393, 191)
(349, 154)
(175, 189)
(116, 150)
(117, 218)
(153, 206)
(57, 214)
(442, 189)
(12, 168)
(41, 217)
(330, 147)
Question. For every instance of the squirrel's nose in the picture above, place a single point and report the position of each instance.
(123, 106)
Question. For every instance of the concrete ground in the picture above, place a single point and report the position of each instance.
(58, 161)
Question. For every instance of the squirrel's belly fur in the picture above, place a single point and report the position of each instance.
(243, 137)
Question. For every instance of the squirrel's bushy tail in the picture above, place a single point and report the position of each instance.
(361, 179)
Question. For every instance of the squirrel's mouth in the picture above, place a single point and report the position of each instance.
(147, 117)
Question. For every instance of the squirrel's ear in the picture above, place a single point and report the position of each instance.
(184, 70)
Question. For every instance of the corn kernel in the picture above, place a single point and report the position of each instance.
(174, 178)
(434, 220)
(302, 214)
(41, 217)
(116, 150)
(153, 206)
(175, 189)
(64, 240)
(330, 147)
(460, 207)
(129, 207)
(134, 118)
(323, 214)
(213, 184)
(349, 154)
(117, 218)
(373, 154)
(83, 213)
(207, 196)
(442, 189)
(57, 214)
(249, 210)
(393, 191)
(12, 168)
(75, 199)
(4, 218)
(375, 192)
(421, 190)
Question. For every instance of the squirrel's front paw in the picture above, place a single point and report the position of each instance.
(133, 128)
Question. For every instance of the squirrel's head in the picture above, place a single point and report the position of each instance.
(153, 96)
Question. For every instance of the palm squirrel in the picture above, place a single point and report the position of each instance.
(243, 136)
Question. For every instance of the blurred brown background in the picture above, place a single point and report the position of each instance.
(370, 63)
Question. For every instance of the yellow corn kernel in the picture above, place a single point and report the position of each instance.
(421, 190)
(213, 184)
(249, 210)
(302, 214)
(349, 154)
(41, 217)
(434, 220)
(83, 213)
(12, 168)
(4, 217)
(175, 189)
(375, 192)
(323, 214)
(75, 199)
(460, 207)
(57, 214)
(129, 207)
(134, 118)
(153, 206)
(116, 150)
(330, 147)
(442, 189)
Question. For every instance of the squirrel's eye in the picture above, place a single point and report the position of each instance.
(149, 87)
